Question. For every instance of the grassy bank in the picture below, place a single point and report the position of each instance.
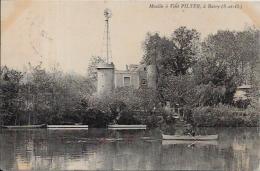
(225, 116)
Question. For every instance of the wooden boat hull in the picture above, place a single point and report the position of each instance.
(67, 127)
(190, 138)
(121, 127)
(188, 142)
(3, 127)
(26, 126)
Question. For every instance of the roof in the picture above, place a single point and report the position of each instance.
(105, 66)
(246, 86)
(240, 95)
(124, 72)
(137, 67)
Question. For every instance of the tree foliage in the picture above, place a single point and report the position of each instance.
(233, 52)
(174, 55)
(209, 71)
(9, 96)
(92, 67)
(38, 96)
(228, 61)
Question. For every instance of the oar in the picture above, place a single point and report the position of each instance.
(194, 141)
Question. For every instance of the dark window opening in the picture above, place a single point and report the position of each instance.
(126, 81)
(143, 82)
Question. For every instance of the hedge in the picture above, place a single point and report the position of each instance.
(225, 116)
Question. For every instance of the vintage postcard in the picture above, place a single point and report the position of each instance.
(129, 85)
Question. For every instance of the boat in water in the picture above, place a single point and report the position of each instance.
(122, 127)
(67, 127)
(25, 126)
(189, 137)
(188, 142)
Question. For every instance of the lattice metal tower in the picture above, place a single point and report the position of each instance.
(106, 71)
(108, 15)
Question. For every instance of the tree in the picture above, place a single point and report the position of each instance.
(186, 43)
(172, 56)
(237, 52)
(225, 58)
(9, 97)
(92, 70)
(39, 96)
(248, 46)
(180, 90)
(92, 67)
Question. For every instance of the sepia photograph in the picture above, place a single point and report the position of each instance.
(129, 85)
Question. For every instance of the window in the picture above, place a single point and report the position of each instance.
(143, 81)
(126, 81)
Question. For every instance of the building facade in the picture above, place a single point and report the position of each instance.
(135, 76)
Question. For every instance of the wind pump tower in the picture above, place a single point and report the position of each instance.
(108, 15)
(106, 70)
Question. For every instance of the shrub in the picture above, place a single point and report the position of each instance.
(223, 115)
(127, 118)
(95, 118)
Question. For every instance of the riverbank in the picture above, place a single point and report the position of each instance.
(76, 126)
(205, 116)
(225, 116)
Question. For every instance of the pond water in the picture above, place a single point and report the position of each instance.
(238, 149)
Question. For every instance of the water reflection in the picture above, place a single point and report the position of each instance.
(97, 149)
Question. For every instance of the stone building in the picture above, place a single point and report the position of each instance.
(135, 76)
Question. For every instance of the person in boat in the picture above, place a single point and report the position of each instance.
(190, 130)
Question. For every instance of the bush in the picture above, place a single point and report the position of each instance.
(242, 103)
(154, 121)
(95, 118)
(223, 115)
(127, 118)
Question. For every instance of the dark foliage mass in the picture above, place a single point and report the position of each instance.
(225, 116)
(194, 73)
(209, 70)
(95, 118)
(38, 96)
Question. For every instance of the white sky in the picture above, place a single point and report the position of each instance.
(70, 32)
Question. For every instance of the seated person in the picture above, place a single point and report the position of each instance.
(189, 131)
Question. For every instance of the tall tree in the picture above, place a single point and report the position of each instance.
(186, 43)
(9, 96)
(172, 56)
(228, 60)
(237, 52)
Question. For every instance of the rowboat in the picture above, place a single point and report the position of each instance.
(25, 126)
(3, 127)
(122, 127)
(190, 138)
(199, 143)
(67, 127)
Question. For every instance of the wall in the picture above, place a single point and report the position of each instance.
(119, 78)
(106, 76)
(151, 76)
